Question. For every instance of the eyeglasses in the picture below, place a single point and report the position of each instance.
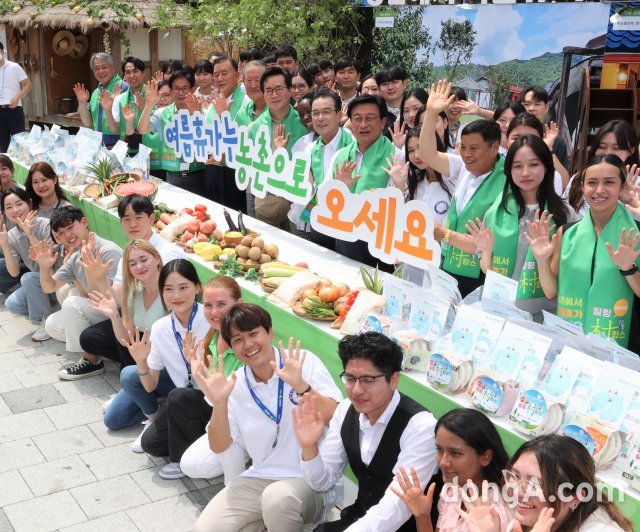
(181, 90)
(369, 119)
(326, 113)
(278, 91)
(366, 381)
(530, 486)
(300, 87)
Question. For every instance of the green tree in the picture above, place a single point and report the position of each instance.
(457, 42)
(408, 44)
(500, 79)
(319, 27)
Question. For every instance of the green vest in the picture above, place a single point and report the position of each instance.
(168, 160)
(591, 291)
(455, 260)
(505, 226)
(292, 126)
(317, 168)
(371, 174)
(94, 106)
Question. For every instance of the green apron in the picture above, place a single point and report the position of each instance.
(591, 291)
(455, 260)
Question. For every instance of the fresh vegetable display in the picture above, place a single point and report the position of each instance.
(126, 188)
(276, 273)
(324, 301)
(252, 251)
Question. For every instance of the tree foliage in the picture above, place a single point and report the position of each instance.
(457, 42)
(500, 79)
(408, 44)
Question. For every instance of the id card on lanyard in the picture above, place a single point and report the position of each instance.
(278, 417)
(188, 382)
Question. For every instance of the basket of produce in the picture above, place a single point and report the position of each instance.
(314, 309)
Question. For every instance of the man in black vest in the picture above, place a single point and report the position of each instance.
(376, 430)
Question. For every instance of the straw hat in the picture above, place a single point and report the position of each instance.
(63, 42)
(80, 47)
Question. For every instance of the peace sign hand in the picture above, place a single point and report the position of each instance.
(293, 359)
(625, 256)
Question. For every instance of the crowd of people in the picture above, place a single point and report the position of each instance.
(200, 368)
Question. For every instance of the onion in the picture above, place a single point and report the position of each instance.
(328, 294)
(309, 292)
(343, 289)
(323, 282)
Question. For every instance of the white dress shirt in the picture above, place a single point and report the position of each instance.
(417, 450)
(255, 432)
(11, 75)
(468, 183)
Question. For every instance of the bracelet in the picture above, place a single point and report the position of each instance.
(300, 394)
(447, 236)
(629, 272)
(144, 373)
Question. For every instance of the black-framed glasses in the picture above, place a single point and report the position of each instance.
(366, 381)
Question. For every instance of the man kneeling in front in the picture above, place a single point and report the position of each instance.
(375, 430)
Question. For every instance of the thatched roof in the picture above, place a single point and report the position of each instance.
(63, 17)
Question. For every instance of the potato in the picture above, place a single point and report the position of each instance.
(272, 250)
(255, 253)
(258, 243)
(242, 251)
(247, 240)
(241, 260)
(265, 258)
(252, 264)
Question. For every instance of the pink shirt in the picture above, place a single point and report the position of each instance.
(450, 521)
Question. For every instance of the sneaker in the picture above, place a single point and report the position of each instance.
(81, 370)
(171, 471)
(136, 446)
(40, 335)
(107, 404)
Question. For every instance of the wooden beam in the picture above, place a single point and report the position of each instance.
(153, 51)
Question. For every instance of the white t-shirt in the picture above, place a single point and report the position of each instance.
(167, 251)
(435, 197)
(255, 432)
(11, 74)
(165, 352)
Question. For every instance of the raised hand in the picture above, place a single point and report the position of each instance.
(281, 138)
(105, 304)
(538, 236)
(158, 76)
(481, 235)
(82, 94)
(308, 421)
(344, 173)
(4, 235)
(293, 360)
(193, 104)
(139, 347)
(211, 381)
(44, 254)
(543, 524)
(220, 103)
(480, 515)
(417, 502)
(91, 261)
(139, 101)
(129, 114)
(440, 97)
(189, 347)
(468, 107)
(633, 172)
(398, 134)
(28, 223)
(396, 171)
(151, 96)
(625, 256)
(106, 100)
(550, 134)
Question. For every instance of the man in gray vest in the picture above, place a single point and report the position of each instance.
(375, 430)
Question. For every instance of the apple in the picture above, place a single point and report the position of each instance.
(207, 228)
(201, 237)
(187, 235)
(302, 265)
(194, 227)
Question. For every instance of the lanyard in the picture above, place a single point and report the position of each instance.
(194, 311)
(278, 417)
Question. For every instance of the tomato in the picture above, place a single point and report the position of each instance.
(200, 215)
(352, 298)
(200, 207)
(194, 227)
(188, 210)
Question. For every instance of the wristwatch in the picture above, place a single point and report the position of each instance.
(629, 272)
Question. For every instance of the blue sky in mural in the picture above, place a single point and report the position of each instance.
(523, 31)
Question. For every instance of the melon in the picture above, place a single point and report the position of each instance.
(145, 188)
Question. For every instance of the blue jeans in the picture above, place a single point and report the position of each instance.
(30, 300)
(133, 403)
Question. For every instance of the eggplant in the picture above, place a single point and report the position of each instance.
(241, 225)
(227, 217)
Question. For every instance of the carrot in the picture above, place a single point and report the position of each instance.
(165, 218)
(160, 225)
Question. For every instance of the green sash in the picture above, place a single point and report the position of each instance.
(94, 105)
(599, 299)
(371, 174)
(455, 260)
(292, 126)
(506, 232)
(239, 99)
(231, 362)
(317, 168)
(244, 117)
(168, 160)
(128, 98)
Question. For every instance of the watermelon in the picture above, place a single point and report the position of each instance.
(144, 188)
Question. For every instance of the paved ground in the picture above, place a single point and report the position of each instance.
(60, 468)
